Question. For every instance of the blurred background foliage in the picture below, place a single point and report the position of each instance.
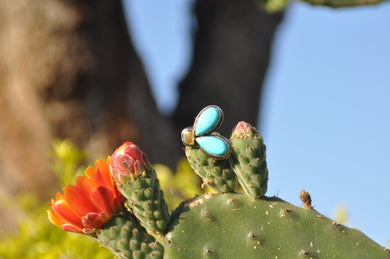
(37, 237)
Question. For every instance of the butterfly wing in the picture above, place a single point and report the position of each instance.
(208, 119)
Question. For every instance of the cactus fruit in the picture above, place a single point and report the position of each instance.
(249, 159)
(138, 183)
(222, 225)
(215, 173)
(126, 238)
(146, 200)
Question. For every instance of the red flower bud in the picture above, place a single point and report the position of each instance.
(243, 129)
(128, 162)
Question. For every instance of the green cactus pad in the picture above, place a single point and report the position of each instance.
(231, 225)
(249, 163)
(215, 173)
(146, 200)
(126, 238)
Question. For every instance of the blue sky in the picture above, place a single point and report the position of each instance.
(325, 113)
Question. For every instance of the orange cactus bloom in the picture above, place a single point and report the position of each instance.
(88, 204)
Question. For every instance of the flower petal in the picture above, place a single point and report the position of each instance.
(54, 219)
(103, 198)
(71, 228)
(62, 209)
(59, 196)
(100, 175)
(78, 198)
(85, 185)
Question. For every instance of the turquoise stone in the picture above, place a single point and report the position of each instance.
(207, 121)
(213, 145)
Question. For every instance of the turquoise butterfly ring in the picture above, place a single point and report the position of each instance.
(202, 133)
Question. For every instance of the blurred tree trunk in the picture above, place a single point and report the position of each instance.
(231, 55)
(68, 70)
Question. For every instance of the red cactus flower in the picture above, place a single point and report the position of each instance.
(128, 162)
(89, 203)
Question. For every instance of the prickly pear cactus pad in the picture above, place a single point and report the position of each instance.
(121, 204)
(231, 225)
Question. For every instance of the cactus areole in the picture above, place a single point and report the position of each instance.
(122, 205)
